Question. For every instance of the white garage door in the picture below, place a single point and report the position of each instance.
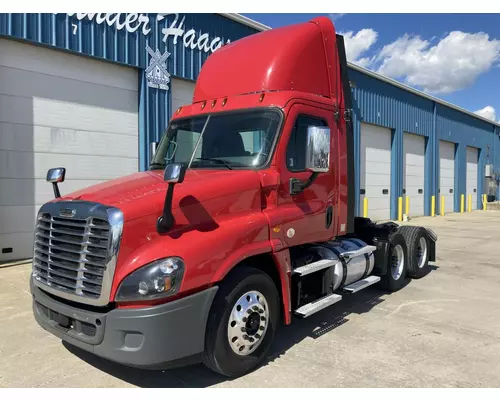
(58, 109)
(375, 171)
(472, 157)
(447, 175)
(414, 173)
(182, 93)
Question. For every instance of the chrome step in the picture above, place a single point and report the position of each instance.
(361, 284)
(311, 308)
(314, 267)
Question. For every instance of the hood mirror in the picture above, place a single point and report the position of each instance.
(174, 173)
(55, 176)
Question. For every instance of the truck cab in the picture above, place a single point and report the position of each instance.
(244, 218)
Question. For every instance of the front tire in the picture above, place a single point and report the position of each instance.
(242, 322)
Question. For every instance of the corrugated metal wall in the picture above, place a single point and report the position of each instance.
(81, 34)
(375, 102)
(380, 103)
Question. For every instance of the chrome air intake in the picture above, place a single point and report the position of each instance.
(75, 250)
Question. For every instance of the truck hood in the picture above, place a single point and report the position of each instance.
(143, 193)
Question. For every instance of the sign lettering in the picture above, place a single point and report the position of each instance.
(133, 22)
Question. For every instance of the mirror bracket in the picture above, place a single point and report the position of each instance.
(174, 173)
(297, 186)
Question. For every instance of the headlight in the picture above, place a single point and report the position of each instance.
(159, 279)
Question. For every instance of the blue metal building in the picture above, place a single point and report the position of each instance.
(58, 70)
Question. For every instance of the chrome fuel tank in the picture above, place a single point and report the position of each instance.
(352, 270)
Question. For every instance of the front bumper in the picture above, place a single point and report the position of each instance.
(151, 337)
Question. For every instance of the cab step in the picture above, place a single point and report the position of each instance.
(361, 284)
(314, 267)
(318, 305)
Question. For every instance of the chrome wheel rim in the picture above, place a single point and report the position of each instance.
(422, 252)
(397, 262)
(248, 322)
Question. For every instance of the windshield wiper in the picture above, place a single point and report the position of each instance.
(218, 160)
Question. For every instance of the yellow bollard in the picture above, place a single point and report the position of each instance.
(365, 207)
(469, 203)
(462, 201)
(433, 206)
(400, 208)
(484, 202)
(407, 208)
(442, 206)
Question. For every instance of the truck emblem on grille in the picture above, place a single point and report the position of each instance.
(66, 212)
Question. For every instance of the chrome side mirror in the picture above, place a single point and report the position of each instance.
(152, 149)
(55, 176)
(318, 149)
(174, 173)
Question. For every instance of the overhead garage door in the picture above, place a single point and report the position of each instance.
(58, 109)
(182, 93)
(472, 157)
(375, 171)
(447, 175)
(414, 172)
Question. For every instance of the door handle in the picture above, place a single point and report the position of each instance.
(385, 191)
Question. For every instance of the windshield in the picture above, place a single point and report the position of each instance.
(230, 140)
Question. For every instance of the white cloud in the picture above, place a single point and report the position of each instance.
(356, 45)
(454, 63)
(487, 112)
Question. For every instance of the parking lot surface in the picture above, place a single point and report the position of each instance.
(440, 331)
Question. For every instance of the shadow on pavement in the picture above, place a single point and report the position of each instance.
(286, 337)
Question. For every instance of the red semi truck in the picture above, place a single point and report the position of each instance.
(244, 219)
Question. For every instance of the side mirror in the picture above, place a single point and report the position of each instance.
(318, 149)
(174, 173)
(55, 176)
(152, 149)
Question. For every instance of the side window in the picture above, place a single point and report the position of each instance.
(296, 150)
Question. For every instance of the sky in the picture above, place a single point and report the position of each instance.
(455, 57)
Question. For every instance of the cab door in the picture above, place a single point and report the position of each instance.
(308, 216)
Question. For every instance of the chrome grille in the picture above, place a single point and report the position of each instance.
(72, 254)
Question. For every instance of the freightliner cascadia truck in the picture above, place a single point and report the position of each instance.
(244, 220)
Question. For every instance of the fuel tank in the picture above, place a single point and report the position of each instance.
(346, 272)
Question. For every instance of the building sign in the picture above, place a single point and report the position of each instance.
(157, 75)
(133, 22)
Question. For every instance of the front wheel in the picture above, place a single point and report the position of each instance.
(242, 322)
